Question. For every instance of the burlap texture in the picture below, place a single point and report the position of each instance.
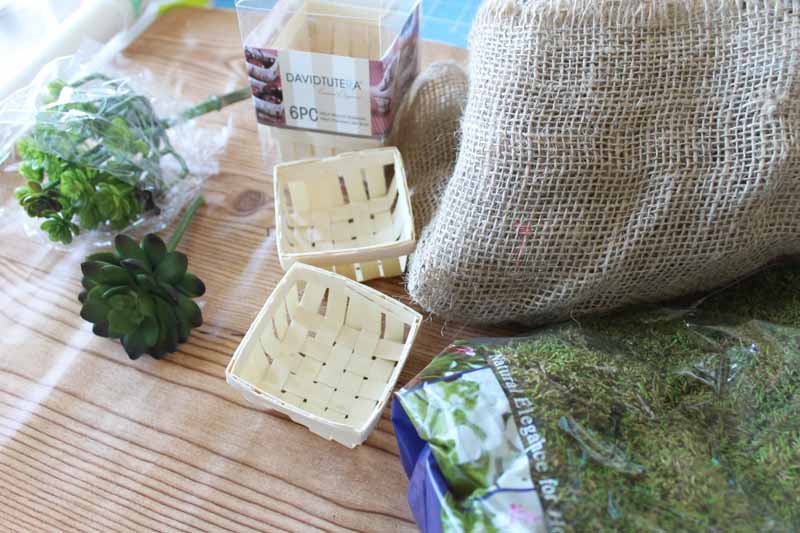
(616, 152)
(427, 133)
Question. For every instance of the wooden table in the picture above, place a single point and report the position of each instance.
(90, 441)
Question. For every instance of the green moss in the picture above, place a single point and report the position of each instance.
(668, 421)
(660, 419)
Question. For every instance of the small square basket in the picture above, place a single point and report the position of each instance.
(326, 351)
(350, 214)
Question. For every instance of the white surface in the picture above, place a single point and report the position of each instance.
(34, 32)
(24, 23)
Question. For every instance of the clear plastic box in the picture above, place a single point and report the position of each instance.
(328, 76)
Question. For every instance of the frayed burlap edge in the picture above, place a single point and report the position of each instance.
(566, 13)
(427, 133)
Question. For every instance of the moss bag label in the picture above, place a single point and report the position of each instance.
(334, 93)
(484, 454)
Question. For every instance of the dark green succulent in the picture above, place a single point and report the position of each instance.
(141, 293)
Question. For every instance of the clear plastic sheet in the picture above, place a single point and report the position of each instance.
(92, 441)
(104, 152)
(660, 420)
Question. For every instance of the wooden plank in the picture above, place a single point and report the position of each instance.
(90, 441)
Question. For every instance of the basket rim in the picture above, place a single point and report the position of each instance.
(292, 275)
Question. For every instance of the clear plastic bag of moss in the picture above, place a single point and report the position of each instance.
(655, 420)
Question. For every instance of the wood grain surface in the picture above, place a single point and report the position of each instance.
(90, 441)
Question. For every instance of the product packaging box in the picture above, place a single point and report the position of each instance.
(328, 76)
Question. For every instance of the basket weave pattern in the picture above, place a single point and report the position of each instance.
(330, 348)
(427, 131)
(350, 214)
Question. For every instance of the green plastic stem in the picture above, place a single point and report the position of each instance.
(88, 79)
(184, 223)
(215, 103)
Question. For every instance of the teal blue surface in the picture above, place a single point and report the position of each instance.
(446, 21)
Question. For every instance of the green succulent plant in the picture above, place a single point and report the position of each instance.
(94, 155)
(142, 293)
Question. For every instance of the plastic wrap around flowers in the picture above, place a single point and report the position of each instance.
(97, 156)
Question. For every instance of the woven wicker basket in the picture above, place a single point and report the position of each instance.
(350, 214)
(327, 352)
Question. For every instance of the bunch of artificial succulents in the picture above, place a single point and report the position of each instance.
(93, 157)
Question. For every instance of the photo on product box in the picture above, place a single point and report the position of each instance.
(264, 75)
(391, 77)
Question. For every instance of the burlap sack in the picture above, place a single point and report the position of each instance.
(426, 129)
(616, 152)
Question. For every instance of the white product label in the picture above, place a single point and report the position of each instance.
(326, 92)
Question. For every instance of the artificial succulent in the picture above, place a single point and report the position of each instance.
(94, 155)
(141, 293)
